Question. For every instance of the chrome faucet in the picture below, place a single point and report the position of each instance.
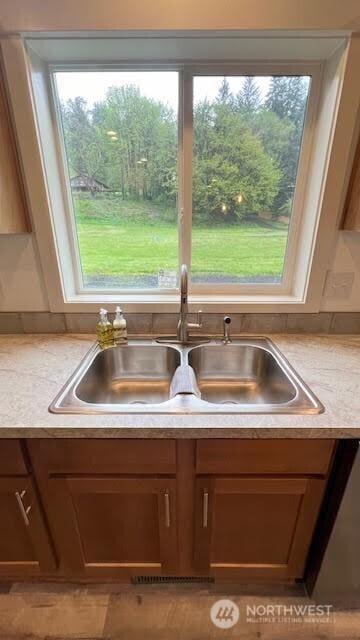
(183, 325)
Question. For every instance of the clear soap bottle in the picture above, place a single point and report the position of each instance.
(104, 331)
(119, 326)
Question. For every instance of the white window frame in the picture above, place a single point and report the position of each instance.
(75, 267)
(49, 181)
(187, 72)
(266, 68)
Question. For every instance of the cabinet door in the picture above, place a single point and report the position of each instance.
(111, 526)
(255, 527)
(25, 547)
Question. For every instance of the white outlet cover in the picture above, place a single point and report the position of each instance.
(339, 284)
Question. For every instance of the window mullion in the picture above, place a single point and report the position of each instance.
(185, 165)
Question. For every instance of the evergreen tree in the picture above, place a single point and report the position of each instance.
(224, 95)
(233, 175)
(287, 97)
(248, 99)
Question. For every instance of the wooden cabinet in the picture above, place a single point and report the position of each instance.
(257, 504)
(233, 509)
(351, 220)
(12, 462)
(264, 457)
(113, 526)
(255, 527)
(25, 547)
(109, 515)
(13, 212)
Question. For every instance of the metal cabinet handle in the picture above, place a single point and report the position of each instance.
(167, 508)
(24, 512)
(205, 508)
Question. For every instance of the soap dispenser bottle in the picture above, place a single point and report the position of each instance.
(104, 331)
(119, 326)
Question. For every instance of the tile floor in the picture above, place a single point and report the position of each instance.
(56, 611)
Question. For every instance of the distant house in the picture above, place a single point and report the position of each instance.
(84, 183)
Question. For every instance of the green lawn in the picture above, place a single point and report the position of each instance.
(119, 239)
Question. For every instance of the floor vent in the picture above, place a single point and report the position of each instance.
(172, 580)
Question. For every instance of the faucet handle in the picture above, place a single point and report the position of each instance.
(198, 324)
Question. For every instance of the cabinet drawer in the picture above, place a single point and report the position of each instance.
(104, 456)
(264, 456)
(12, 461)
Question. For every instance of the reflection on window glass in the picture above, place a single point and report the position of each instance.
(247, 138)
(120, 132)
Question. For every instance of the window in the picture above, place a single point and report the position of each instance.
(249, 248)
(247, 133)
(120, 132)
(237, 138)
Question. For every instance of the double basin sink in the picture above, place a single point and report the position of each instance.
(248, 375)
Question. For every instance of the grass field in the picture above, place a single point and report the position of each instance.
(118, 238)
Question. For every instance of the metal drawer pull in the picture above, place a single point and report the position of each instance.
(167, 508)
(205, 508)
(24, 512)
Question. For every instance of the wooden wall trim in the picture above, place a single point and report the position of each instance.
(13, 206)
(352, 202)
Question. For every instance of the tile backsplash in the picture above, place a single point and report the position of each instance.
(165, 323)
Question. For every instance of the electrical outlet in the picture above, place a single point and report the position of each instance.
(339, 284)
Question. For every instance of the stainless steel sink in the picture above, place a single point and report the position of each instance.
(137, 374)
(240, 374)
(250, 375)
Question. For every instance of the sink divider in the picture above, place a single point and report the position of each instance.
(184, 381)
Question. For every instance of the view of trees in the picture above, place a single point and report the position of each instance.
(246, 147)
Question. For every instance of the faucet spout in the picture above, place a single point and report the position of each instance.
(182, 330)
(183, 325)
(184, 280)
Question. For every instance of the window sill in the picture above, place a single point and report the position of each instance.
(169, 303)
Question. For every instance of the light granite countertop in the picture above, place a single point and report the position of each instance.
(33, 368)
